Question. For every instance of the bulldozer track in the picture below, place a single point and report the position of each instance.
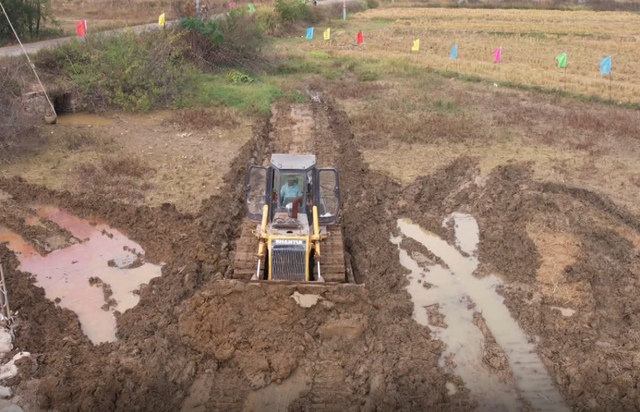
(332, 259)
(246, 261)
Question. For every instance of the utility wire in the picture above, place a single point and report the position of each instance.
(33, 67)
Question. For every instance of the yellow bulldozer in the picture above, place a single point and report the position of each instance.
(289, 233)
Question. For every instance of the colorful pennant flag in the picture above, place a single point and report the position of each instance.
(562, 60)
(497, 54)
(605, 65)
(81, 28)
(416, 45)
(327, 34)
(232, 4)
(251, 8)
(454, 51)
(161, 20)
(360, 38)
(310, 33)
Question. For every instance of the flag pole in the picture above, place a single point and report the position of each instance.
(610, 74)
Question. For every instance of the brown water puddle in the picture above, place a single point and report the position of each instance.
(453, 288)
(84, 119)
(101, 252)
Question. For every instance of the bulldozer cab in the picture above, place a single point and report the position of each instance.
(291, 185)
(291, 206)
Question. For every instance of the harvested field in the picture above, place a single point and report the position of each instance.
(530, 41)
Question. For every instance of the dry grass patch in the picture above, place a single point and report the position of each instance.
(557, 251)
(114, 178)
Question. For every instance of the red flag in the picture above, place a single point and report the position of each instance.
(360, 38)
(81, 28)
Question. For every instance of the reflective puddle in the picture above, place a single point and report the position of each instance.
(458, 295)
(93, 277)
(84, 119)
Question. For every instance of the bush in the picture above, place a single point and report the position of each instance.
(291, 10)
(235, 41)
(133, 72)
(372, 4)
(269, 21)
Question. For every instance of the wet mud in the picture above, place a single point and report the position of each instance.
(461, 298)
(198, 342)
(96, 253)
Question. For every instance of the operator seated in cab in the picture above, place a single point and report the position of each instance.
(289, 191)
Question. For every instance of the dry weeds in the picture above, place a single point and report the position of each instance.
(557, 251)
(114, 178)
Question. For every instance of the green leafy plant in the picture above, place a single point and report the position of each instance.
(237, 77)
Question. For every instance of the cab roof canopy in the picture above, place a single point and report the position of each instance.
(293, 161)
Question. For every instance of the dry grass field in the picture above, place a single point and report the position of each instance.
(530, 40)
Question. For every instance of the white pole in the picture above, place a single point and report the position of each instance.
(197, 7)
(344, 9)
(33, 67)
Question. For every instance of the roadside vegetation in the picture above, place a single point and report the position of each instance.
(28, 18)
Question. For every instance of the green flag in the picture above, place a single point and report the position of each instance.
(562, 60)
(251, 8)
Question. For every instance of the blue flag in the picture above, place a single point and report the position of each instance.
(310, 33)
(454, 51)
(605, 65)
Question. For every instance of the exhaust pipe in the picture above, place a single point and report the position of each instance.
(294, 212)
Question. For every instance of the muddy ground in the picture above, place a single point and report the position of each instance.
(196, 343)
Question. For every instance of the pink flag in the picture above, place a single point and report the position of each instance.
(232, 4)
(81, 28)
(497, 54)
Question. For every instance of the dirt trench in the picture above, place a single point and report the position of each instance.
(194, 343)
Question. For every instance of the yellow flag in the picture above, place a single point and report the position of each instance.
(327, 33)
(416, 45)
(161, 20)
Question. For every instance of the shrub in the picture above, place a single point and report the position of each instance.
(372, 4)
(133, 72)
(269, 21)
(235, 41)
(291, 10)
